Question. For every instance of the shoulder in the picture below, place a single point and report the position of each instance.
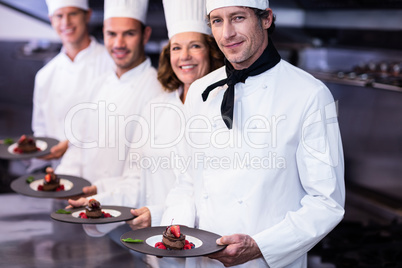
(198, 86)
(51, 66)
(290, 74)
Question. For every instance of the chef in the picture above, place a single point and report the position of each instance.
(65, 80)
(119, 96)
(190, 54)
(265, 147)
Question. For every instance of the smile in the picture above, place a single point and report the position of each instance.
(186, 67)
(233, 45)
(120, 53)
(68, 31)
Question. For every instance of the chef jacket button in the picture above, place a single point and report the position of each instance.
(240, 202)
(214, 125)
(205, 196)
(264, 86)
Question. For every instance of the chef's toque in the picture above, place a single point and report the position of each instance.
(53, 5)
(185, 16)
(214, 4)
(135, 9)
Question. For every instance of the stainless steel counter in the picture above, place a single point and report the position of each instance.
(30, 238)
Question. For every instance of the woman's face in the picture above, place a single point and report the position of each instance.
(189, 57)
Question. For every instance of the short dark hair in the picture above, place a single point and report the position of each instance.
(261, 14)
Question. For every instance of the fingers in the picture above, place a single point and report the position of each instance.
(142, 220)
(56, 151)
(90, 190)
(139, 211)
(229, 239)
(79, 202)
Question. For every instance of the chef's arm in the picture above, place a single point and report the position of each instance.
(38, 117)
(320, 164)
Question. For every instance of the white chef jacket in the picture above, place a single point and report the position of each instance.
(109, 123)
(61, 84)
(277, 176)
(151, 167)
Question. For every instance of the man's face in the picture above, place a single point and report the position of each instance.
(125, 41)
(70, 23)
(239, 34)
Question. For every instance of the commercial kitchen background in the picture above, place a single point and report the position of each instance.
(354, 46)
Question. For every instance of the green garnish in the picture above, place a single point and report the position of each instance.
(8, 141)
(30, 179)
(130, 240)
(62, 211)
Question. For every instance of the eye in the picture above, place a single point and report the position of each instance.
(216, 21)
(238, 18)
(130, 33)
(175, 48)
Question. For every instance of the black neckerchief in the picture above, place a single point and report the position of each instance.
(268, 59)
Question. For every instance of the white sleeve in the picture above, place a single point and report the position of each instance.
(320, 164)
(180, 203)
(38, 118)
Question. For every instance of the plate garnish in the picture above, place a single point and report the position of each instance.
(130, 240)
(30, 179)
(8, 141)
(63, 211)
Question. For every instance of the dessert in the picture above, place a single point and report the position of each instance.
(172, 238)
(26, 145)
(93, 210)
(51, 182)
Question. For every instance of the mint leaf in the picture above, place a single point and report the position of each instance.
(30, 179)
(130, 240)
(62, 211)
(8, 141)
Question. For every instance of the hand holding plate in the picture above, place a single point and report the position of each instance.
(240, 249)
(56, 151)
(142, 220)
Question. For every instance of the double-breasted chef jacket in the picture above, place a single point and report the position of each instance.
(277, 175)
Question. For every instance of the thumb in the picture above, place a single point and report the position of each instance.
(137, 212)
(221, 241)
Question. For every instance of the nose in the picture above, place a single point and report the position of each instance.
(119, 41)
(185, 54)
(228, 30)
(65, 20)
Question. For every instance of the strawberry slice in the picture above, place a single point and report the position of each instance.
(23, 137)
(48, 178)
(175, 230)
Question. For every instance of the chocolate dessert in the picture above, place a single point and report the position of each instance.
(93, 210)
(52, 181)
(26, 145)
(172, 238)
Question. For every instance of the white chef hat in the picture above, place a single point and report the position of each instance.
(135, 9)
(53, 5)
(214, 4)
(185, 16)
